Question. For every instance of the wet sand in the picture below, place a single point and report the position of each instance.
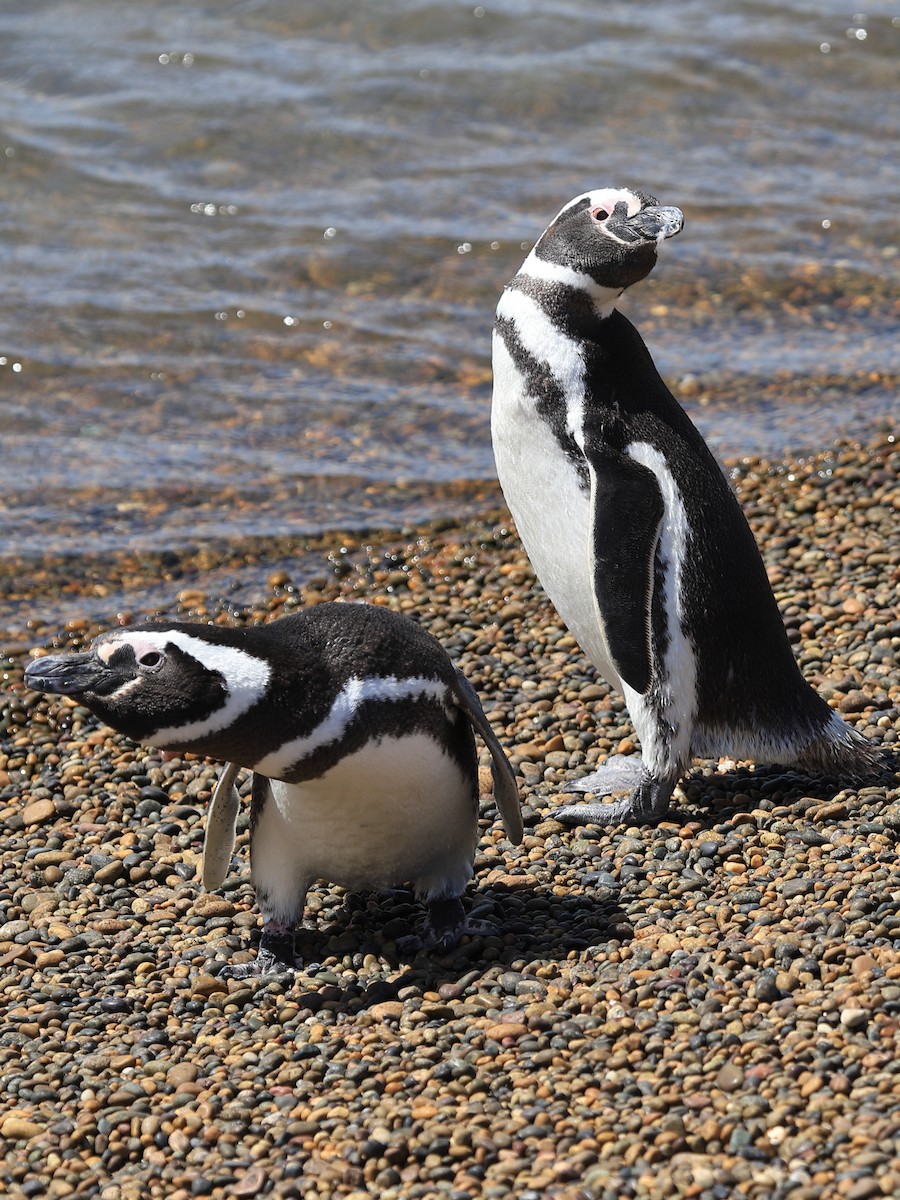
(709, 1007)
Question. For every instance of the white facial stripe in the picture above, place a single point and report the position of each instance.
(140, 645)
(548, 344)
(607, 232)
(681, 663)
(129, 685)
(606, 198)
(346, 704)
(245, 678)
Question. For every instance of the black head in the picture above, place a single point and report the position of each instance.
(610, 236)
(174, 686)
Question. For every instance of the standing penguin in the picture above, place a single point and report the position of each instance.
(633, 529)
(359, 733)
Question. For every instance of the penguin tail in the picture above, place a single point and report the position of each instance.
(840, 751)
(822, 744)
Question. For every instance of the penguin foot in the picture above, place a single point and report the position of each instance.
(443, 927)
(646, 804)
(276, 956)
(619, 773)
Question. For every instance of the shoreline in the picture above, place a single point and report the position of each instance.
(711, 1001)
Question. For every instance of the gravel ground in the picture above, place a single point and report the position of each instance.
(707, 1008)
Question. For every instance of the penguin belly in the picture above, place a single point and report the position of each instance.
(399, 810)
(551, 508)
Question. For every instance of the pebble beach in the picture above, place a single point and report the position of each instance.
(706, 1008)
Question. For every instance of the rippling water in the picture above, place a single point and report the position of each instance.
(252, 250)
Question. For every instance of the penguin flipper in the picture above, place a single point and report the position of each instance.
(506, 793)
(627, 510)
(221, 820)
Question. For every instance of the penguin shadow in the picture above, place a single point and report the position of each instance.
(530, 921)
(708, 799)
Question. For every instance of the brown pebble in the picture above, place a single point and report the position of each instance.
(49, 958)
(207, 904)
(811, 1085)
(864, 963)
(38, 812)
(250, 1184)
(206, 985)
(423, 1110)
(18, 1128)
(110, 872)
(15, 953)
(530, 751)
(505, 1029)
(182, 1073)
(179, 1141)
(730, 1077)
(865, 1189)
(191, 598)
(387, 1010)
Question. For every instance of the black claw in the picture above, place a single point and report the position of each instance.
(443, 927)
(445, 918)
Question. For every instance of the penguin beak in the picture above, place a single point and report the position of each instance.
(656, 223)
(65, 674)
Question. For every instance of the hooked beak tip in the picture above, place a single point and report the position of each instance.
(658, 222)
(672, 222)
(62, 675)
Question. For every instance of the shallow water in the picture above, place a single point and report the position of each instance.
(252, 250)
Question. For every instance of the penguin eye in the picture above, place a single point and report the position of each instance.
(152, 658)
(599, 214)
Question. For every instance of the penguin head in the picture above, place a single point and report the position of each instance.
(610, 235)
(173, 686)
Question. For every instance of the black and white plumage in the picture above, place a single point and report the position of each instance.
(359, 733)
(632, 527)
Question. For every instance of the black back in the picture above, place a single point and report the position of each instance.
(746, 668)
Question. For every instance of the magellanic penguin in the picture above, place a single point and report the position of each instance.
(632, 527)
(359, 733)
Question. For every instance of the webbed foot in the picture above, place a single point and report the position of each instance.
(620, 773)
(646, 804)
(276, 956)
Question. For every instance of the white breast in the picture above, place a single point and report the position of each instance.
(399, 811)
(551, 508)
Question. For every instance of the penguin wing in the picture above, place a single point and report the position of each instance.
(626, 515)
(220, 826)
(506, 793)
